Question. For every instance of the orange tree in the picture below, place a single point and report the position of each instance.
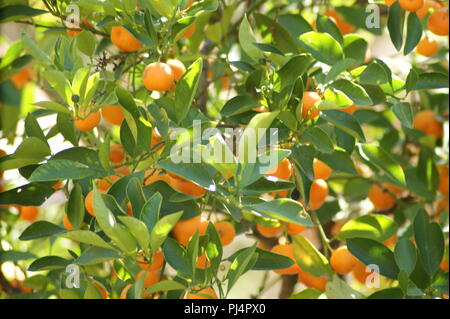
(355, 204)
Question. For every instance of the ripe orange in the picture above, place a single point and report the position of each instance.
(158, 76)
(189, 31)
(123, 294)
(438, 23)
(411, 5)
(124, 40)
(443, 179)
(442, 205)
(188, 4)
(205, 293)
(284, 170)
(202, 262)
(225, 83)
(390, 241)
(427, 47)
(113, 114)
(394, 189)
(105, 183)
(58, 185)
(184, 229)
(89, 203)
(151, 277)
(343, 26)
(360, 273)
(317, 194)
(288, 251)
(269, 232)
(157, 262)
(184, 186)
(294, 229)
(152, 176)
(342, 261)
(312, 281)
(29, 213)
(116, 154)
(427, 7)
(101, 289)
(349, 109)
(66, 223)
(23, 77)
(321, 170)
(178, 70)
(226, 232)
(156, 138)
(426, 122)
(389, 2)
(87, 119)
(308, 101)
(381, 199)
(444, 265)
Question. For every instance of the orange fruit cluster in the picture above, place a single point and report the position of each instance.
(426, 122)
(159, 76)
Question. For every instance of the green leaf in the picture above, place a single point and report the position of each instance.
(34, 50)
(432, 80)
(165, 285)
(395, 24)
(96, 255)
(32, 148)
(381, 159)
(371, 252)
(354, 91)
(405, 255)
(345, 122)
(388, 293)
(355, 48)
(86, 42)
(240, 265)
(373, 74)
(138, 229)
(53, 106)
(175, 256)
(309, 258)
(135, 195)
(403, 112)
(247, 40)
(75, 206)
(375, 227)
(59, 83)
(337, 288)
(318, 138)
(55, 170)
(33, 194)
(13, 256)
(86, 237)
(285, 209)
(150, 211)
(322, 46)
(413, 33)
(49, 263)
(239, 104)
(430, 242)
(187, 88)
(326, 25)
(266, 260)
(193, 172)
(41, 229)
(162, 229)
(308, 293)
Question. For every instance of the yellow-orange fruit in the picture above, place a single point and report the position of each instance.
(411, 5)
(184, 186)
(321, 170)
(29, 213)
(151, 277)
(426, 122)
(381, 199)
(189, 31)
(116, 154)
(359, 272)
(87, 120)
(178, 70)
(442, 205)
(283, 170)
(294, 229)
(288, 251)
(317, 194)
(124, 40)
(152, 176)
(443, 179)
(394, 189)
(428, 5)
(158, 76)
(58, 185)
(269, 232)
(123, 294)
(66, 223)
(342, 261)
(311, 281)
(73, 33)
(427, 47)
(226, 232)
(23, 77)
(444, 265)
(101, 289)
(205, 293)
(89, 203)
(308, 101)
(390, 241)
(157, 262)
(202, 262)
(389, 2)
(343, 26)
(438, 23)
(184, 229)
(113, 114)
(349, 109)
